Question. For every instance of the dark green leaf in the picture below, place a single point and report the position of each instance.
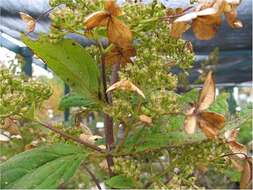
(45, 167)
(75, 101)
(70, 62)
(120, 182)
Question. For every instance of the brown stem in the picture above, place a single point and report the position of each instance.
(92, 176)
(108, 121)
(69, 137)
(115, 74)
(103, 75)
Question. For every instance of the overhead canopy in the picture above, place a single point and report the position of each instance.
(234, 44)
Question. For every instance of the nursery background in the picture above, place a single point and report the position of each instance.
(126, 94)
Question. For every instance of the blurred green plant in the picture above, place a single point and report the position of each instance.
(144, 145)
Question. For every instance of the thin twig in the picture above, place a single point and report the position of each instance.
(231, 154)
(92, 176)
(69, 137)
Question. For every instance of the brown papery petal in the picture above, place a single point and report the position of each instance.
(125, 85)
(231, 135)
(177, 29)
(187, 17)
(30, 21)
(202, 30)
(238, 148)
(113, 8)
(119, 33)
(207, 94)
(246, 176)
(214, 119)
(120, 55)
(232, 19)
(208, 129)
(190, 124)
(145, 119)
(95, 19)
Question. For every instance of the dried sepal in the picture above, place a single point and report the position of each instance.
(207, 94)
(104, 165)
(30, 21)
(145, 119)
(206, 17)
(99, 18)
(211, 123)
(102, 146)
(232, 20)
(190, 124)
(202, 30)
(120, 55)
(10, 125)
(238, 149)
(89, 138)
(246, 175)
(125, 85)
(177, 28)
(112, 7)
(230, 13)
(231, 135)
(119, 33)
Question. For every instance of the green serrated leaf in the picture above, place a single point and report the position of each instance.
(156, 138)
(120, 182)
(220, 105)
(76, 101)
(45, 167)
(176, 122)
(70, 62)
(245, 135)
(188, 97)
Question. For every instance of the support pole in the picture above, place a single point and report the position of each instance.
(66, 111)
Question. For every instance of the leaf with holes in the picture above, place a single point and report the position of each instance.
(45, 167)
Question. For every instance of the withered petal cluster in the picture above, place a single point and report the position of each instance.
(240, 160)
(118, 32)
(209, 122)
(206, 18)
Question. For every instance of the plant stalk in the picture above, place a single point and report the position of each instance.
(69, 137)
(92, 176)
